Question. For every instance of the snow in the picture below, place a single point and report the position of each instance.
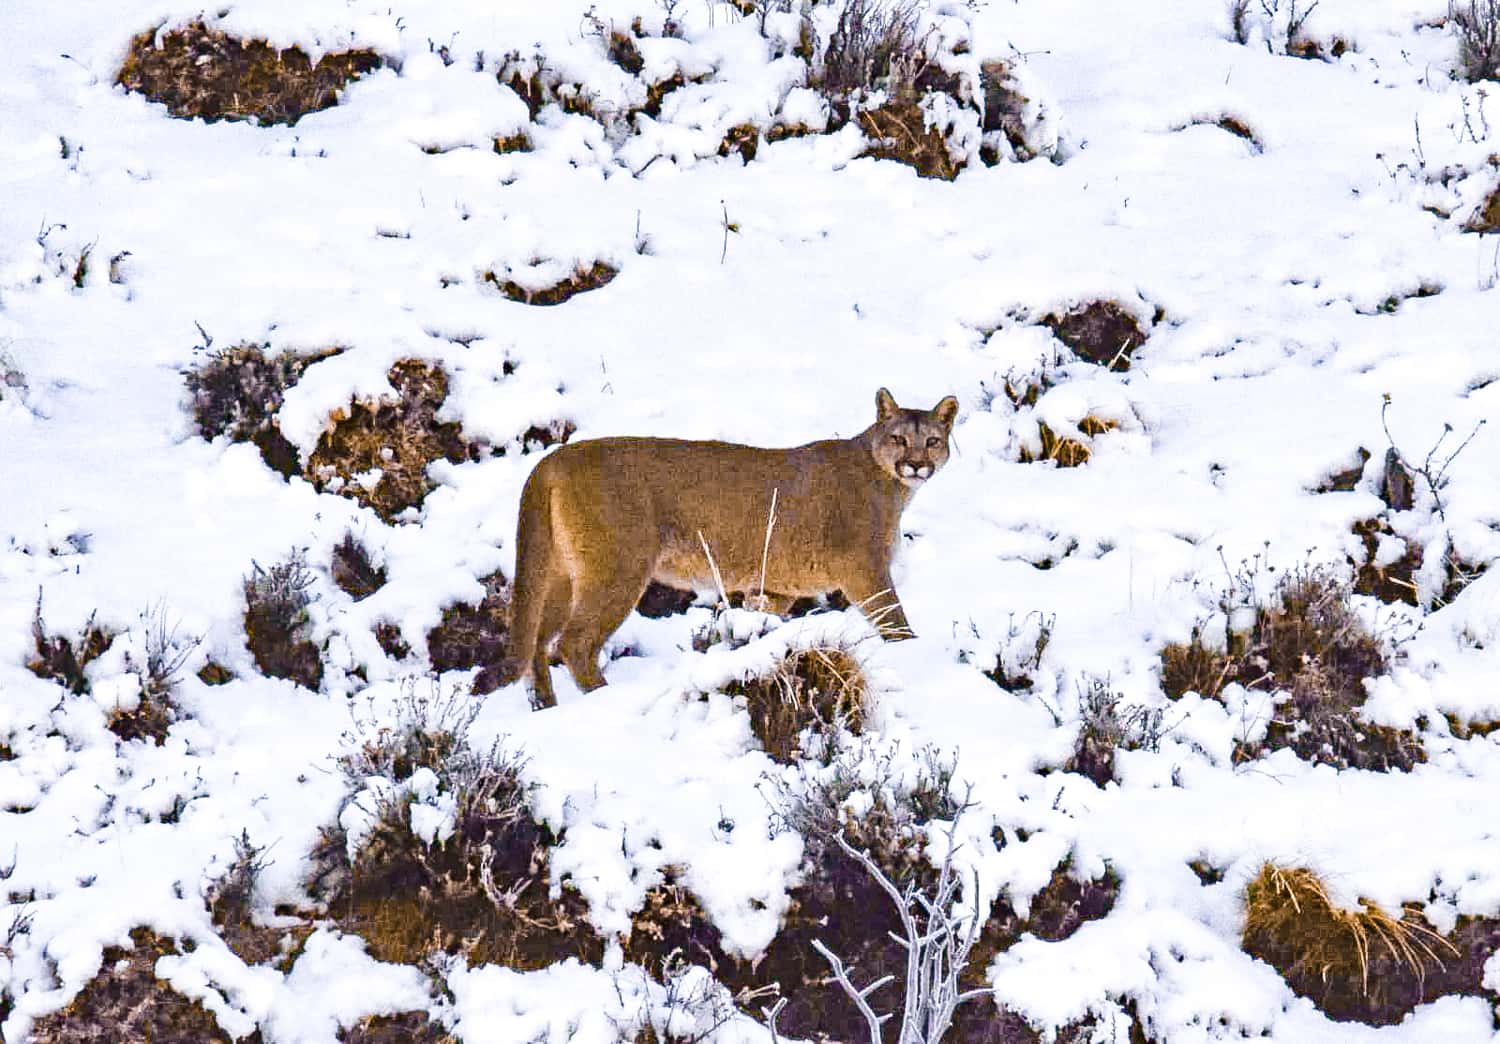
(370, 226)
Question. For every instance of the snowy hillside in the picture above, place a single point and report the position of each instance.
(1202, 717)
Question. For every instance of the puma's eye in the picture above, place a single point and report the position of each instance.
(933, 442)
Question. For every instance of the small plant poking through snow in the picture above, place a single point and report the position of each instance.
(277, 624)
(378, 452)
(1477, 23)
(1364, 963)
(1107, 724)
(237, 392)
(544, 283)
(166, 649)
(352, 569)
(64, 660)
(1307, 645)
(231, 901)
(196, 70)
(1103, 332)
(127, 1002)
(436, 850)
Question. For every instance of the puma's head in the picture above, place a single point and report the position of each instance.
(910, 445)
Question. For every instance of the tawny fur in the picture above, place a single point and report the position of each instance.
(602, 518)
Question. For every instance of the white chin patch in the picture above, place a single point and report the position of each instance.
(912, 480)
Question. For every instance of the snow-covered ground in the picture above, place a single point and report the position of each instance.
(1285, 270)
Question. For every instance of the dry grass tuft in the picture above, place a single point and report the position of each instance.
(1065, 450)
(353, 571)
(898, 130)
(230, 904)
(582, 279)
(517, 142)
(1486, 217)
(197, 71)
(1311, 646)
(237, 391)
(1360, 964)
(1394, 581)
(671, 926)
(474, 635)
(126, 1002)
(743, 139)
(378, 452)
(277, 624)
(1102, 332)
(822, 689)
(64, 660)
(214, 673)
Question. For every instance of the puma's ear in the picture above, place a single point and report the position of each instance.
(884, 405)
(945, 411)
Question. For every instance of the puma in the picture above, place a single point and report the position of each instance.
(602, 518)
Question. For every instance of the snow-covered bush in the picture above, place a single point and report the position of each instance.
(1107, 724)
(64, 660)
(1477, 23)
(436, 848)
(352, 569)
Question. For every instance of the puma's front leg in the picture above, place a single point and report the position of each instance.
(875, 595)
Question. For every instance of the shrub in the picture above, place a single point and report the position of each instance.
(820, 690)
(198, 71)
(1019, 658)
(231, 904)
(1066, 450)
(166, 650)
(277, 624)
(127, 1002)
(378, 452)
(237, 391)
(871, 40)
(1309, 645)
(411, 1027)
(1363, 964)
(64, 660)
(352, 570)
(1477, 23)
(442, 855)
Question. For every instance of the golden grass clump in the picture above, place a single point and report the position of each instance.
(197, 71)
(899, 131)
(1486, 217)
(823, 688)
(378, 452)
(1067, 451)
(1360, 964)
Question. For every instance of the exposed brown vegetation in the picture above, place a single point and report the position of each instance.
(230, 900)
(539, 437)
(391, 641)
(1486, 217)
(822, 688)
(1345, 479)
(411, 1027)
(1311, 646)
(742, 138)
(199, 71)
(1477, 23)
(1394, 581)
(1067, 451)
(583, 278)
(352, 570)
(483, 892)
(394, 440)
(1102, 332)
(150, 719)
(127, 1002)
(277, 624)
(237, 391)
(214, 673)
(517, 142)
(899, 131)
(64, 660)
(1365, 964)
(1109, 724)
(474, 635)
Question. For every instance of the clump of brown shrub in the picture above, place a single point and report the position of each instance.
(1066, 450)
(479, 884)
(352, 569)
(230, 900)
(474, 636)
(822, 689)
(166, 649)
(64, 660)
(127, 1002)
(198, 71)
(1309, 645)
(1477, 23)
(1366, 964)
(584, 277)
(410, 1027)
(1103, 332)
(277, 624)
(237, 391)
(378, 452)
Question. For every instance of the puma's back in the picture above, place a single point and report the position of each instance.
(602, 518)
